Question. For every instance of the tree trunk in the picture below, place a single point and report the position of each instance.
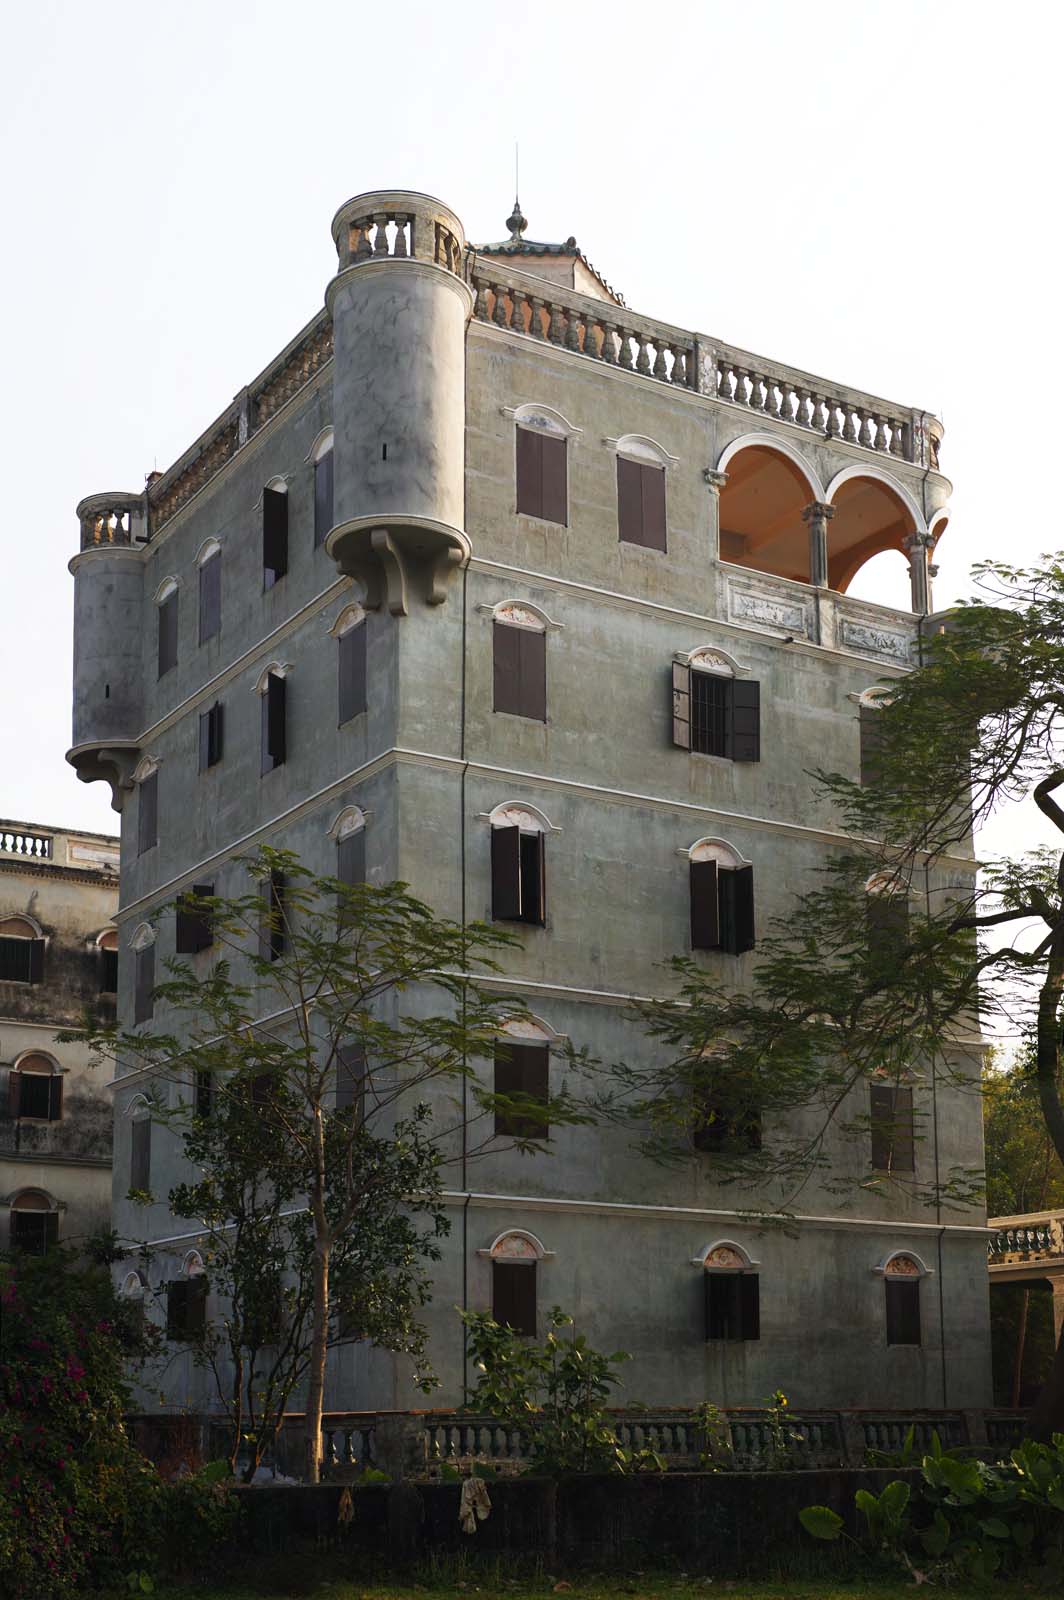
(1021, 1340)
(319, 1346)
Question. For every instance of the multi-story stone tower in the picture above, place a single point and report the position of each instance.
(546, 603)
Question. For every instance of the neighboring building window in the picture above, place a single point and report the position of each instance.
(541, 475)
(274, 532)
(522, 1069)
(640, 503)
(34, 1223)
(323, 488)
(107, 944)
(21, 952)
(519, 663)
(722, 900)
(194, 924)
(901, 1279)
(518, 877)
(715, 713)
(211, 726)
(732, 1296)
(351, 1080)
(140, 1149)
(273, 689)
(350, 631)
(166, 612)
(186, 1308)
(210, 594)
(891, 1118)
(272, 930)
(143, 974)
(35, 1089)
(148, 812)
(203, 1091)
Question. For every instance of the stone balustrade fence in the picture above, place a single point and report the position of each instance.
(17, 842)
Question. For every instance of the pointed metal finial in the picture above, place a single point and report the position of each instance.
(516, 221)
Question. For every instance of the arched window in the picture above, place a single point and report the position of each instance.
(892, 1126)
(722, 897)
(732, 1292)
(143, 972)
(519, 659)
(349, 832)
(166, 621)
(21, 951)
(186, 1301)
(522, 1071)
(146, 778)
(107, 945)
(34, 1222)
(716, 706)
(35, 1089)
(902, 1271)
(518, 864)
(349, 631)
(515, 1258)
(870, 703)
(138, 1113)
(272, 687)
(321, 455)
(542, 471)
(274, 532)
(887, 919)
(641, 467)
(209, 562)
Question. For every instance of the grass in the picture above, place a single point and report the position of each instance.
(639, 1586)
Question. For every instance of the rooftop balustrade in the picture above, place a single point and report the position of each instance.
(111, 519)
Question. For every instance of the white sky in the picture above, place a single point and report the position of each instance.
(868, 190)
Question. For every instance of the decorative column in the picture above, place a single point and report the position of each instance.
(716, 482)
(918, 547)
(816, 517)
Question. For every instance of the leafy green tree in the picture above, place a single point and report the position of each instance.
(334, 1112)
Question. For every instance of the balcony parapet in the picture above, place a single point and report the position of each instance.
(398, 225)
(798, 611)
(111, 519)
(1017, 1241)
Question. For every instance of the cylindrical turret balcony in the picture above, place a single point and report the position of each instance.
(110, 519)
(399, 304)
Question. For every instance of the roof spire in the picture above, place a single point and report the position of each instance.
(516, 222)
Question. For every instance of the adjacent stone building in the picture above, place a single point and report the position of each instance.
(58, 954)
(542, 603)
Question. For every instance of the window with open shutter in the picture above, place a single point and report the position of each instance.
(520, 670)
(513, 1296)
(15, 960)
(903, 1310)
(167, 623)
(108, 971)
(34, 1226)
(274, 722)
(351, 649)
(681, 705)
(522, 1069)
(506, 874)
(871, 732)
(194, 930)
(351, 858)
(641, 503)
(736, 901)
(891, 1117)
(143, 983)
(147, 813)
(541, 475)
(36, 1091)
(732, 1306)
(140, 1153)
(272, 930)
(716, 715)
(274, 536)
(711, 714)
(745, 720)
(323, 496)
(210, 597)
(211, 725)
(705, 911)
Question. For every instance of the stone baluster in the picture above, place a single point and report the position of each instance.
(849, 427)
(590, 337)
(757, 399)
(816, 413)
(897, 442)
(609, 349)
(834, 427)
(660, 368)
(380, 242)
(679, 365)
(535, 326)
(572, 332)
(783, 408)
(363, 250)
(556, 331)
(816, 517)
(517, 311)
(480, 305)
(401, 221)
(868, 432)
(642, 363)
(625, 359)
(499, 314)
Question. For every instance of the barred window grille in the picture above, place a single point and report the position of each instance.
(710, 707)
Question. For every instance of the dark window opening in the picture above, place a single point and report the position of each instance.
(541, 476)
(34, 1232)
(211, 725)
(274, 536)
(716, 716)
(522, 1069)
(204, 1093)
(167, 634)
(351, 858)
(641, 503)
(35, 1094)
(274, 723)
(513, 1296)
(186, 1308)
(351, 653)
(140, 1153)
(108, 971)
(903, 1310)
(519, 658)
(272, 932)
(148, 813)
(725, 1124)
(722, 907)
(210, 597)
(263, 1090)
(517, 876)
(351, 1080)
(195, 931)
(732, 1303)
(891, 1115)
(143, 983)
(323, 496)
(21, 960)
(888, 928)
(871, 742)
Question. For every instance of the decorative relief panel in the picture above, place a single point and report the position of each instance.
(782, 612)
(866, 638)
(902, 1267)
(725, 1256)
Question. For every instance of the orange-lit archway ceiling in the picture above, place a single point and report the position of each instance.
(869, 518)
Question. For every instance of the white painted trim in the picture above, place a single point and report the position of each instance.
(192, 1266)
(749, 1264)
(541, 419)
(530, 819)
(349, 617)
(16, 1195)
(517, 1233)
(872, 471)
(133, 1286)
(883, 1267)
(146, 768)
(22, 916)
(279, 483)
(640, 447)
(45, 1055)
(168, 587)
(544, 620)
(700, 659)
(143, 937)
(276, 669)
(110, 928)
(352, 819)
(886, 883)
(944, 514)
(321, 446)
(533, 1030)
(137, 1108)
(718, 850)
(209, 548)
(770, 441)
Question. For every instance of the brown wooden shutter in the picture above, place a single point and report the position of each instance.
(274, 536)
(652, 497)
(681, 705)
(14, 1086)
(533, 879)
(506, 668)
(553, 498)
(351, 649)
(36, 960)
(522, 1069)
(210, 597)
(216, 733)
(505, 874)
(55, 1097)
(148, 813)
(323, 497)
(745, 720)
(168, 633)
(723, 1302)
(140, 1153)
(705, 913)
(532, 650)
(881, 1116)
(629, 501)
(529, 472)
(272, 931)
(871, 742)
(274, 723)
(351, 858)
(194, 931)
(143, 983)
(513, 1296)
(749, 1306)
(903, 1310)
(176, 1308)
(736, 896)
